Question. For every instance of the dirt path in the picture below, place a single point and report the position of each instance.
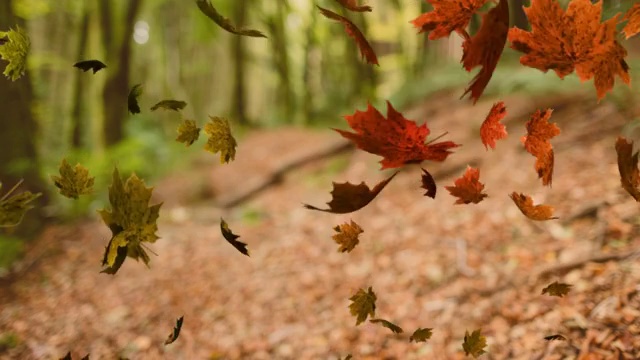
(431, 263)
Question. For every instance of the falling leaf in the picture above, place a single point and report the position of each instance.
(213, 14)
(132, 99)
(389, 325)
(86, 65)
(220, 139)
(231, 238)
(572, 40)
(421, 335)
(557, 289)
(398, 140)
(628, 167)
(537, 212)
(176, 331)
(492, 129)
(429, 184)
(468, 188)
(66, 357)
(485, 48)
(15, 49)
(175, 105)
(536, 142)
(188, 132)
(555, 337)
(13, 207)
(347, 236)
(353, 5)
(348, 357)
(131, 221)
(352, 30)
(633, 21)
(347, 197)
(73, 182)
(363, 305)
(474, 344)
(447, 16)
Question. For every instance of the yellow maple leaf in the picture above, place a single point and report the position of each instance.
(220, 138)
(363, 305)
(347, 236)
(73, 181)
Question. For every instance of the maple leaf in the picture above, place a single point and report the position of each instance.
(73, 182)
(474, 343)
(14, 206)
(447, 16)
(537, 212)
(556, 289)
(220, 139)
(429, 184)
(363, 305)
(468, 188)
(131, 221)
(213, 14)
(352, 30)
(176, 331)
(633, 21)
(347, 197)
(536, 142)
(231, 238)
(555, 337)
(347, 236)
(398, 140)
(353, 5)
(485, 48)
(14, 49)
(188, 132)
(175, 105)
(492, 129)
(628, 167)
(421, 335)
(86, 65)
(132, 99)
(572, 40)
(389, 325)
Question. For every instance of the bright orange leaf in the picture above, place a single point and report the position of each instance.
(633, 21)
(536, 142)
(533, 212)
(628, 167)
(352, 30)
(447, 16)
(468, 188)
(492, 129)
(575, 39)
(353, 5)
(398, 140)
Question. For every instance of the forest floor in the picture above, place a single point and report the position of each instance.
(432, 264)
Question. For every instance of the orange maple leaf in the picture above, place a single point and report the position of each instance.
(533, 212)
(398, 140)
(447, 16)
(492, 129)
(536, 142)
(352, 30)
(468, 188)
(633, 21)
(485, 48)
(575, 39)
(353, 5)
(628, 167)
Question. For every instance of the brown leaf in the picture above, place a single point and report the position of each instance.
(468, 188)
(555, 337)
(347, 236)
(421, 335)
(352, 30)
(363, 305)
(353, 5)
(536, 142)
(447, 16)
(628, 167)
(537, 212)
(633, 21)
(492, 129)
(389, 325)
(232, 238)
(557, 289)
(474, 343)
(429, 184)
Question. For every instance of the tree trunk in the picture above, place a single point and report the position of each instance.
(239, 61)
(309, 93)
(281, 60)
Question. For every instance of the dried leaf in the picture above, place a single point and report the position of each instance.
(213, 14)
(398, 140)
(474, 344)
(421, 335)
(628, 167)
(86, 357)
(352, 30)
(73, 182)
(575, 39)
(188, 132)
(347, 197)
(555, 337)
(537, 212)
(176, 331)
(389, 325)
(66, 357)
(468, 188)
(347, 236)
(429, 184)
(175, 105)
(231, 238)
(14, 49)
(536, 142)
(220, 139)
(447, 16)
(557, 289)
(363, 305)
(632, 17)
(132, 99)
(13, 207)
(492, 129)
(86, 65)
(348, 357)
(353, 5)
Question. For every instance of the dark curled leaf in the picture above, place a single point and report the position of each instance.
(389, 325)
(557, 289)
(86, 65)
(132, 99)
(352, 30)
(555, 337)
(231, 238)
(421, 335)
(213, 14)
(176, 331)
(175, 105)
(66, 357)
(429, 184)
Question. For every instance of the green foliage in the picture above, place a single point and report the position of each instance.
(11, 249)
(14, 49)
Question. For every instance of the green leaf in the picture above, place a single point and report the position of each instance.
(474, 344)
(389, 325)
(86, 65)
(176, 331)
(208, 9)
(132, 99)
(13, 207)
(421, 335)
(175, 105)
(220, 139)
(188, 132)
(231, 238)
(73, 182)
(363, 305)
(557, 289)
(14, 49)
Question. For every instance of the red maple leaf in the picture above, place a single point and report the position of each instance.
(353, 5)
(352, 30)
(492, 129)
(447, 16)
(468, 188)
(533, 212)
(536, 142)
(633, 21)
(398, 140)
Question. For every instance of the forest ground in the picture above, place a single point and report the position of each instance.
(431, 263)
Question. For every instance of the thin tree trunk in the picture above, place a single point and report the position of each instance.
(281, 60)
(79, 88)
(239, 56)
(307, 101)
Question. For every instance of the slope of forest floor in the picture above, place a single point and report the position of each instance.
(431, 263)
